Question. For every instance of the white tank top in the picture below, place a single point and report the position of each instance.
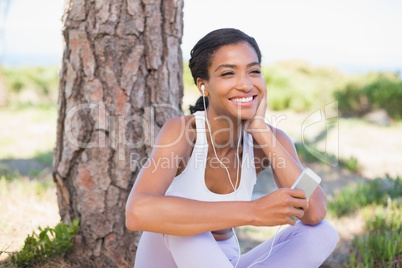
(191, 182)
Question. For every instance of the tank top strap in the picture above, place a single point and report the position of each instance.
(248, 165)
(201, 141)
(191, 182)
(248, 144)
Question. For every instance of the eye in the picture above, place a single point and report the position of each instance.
(227, 73)
(256, 71)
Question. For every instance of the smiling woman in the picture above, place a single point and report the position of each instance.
(234, 66)
(188, 209)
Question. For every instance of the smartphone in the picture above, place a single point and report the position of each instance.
(307, 181)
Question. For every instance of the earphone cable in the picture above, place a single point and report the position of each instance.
(213, 147)
(234, 189)
(270, 251)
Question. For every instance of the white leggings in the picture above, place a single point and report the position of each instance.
(296, 246)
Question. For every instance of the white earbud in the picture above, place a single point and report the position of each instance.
(202, 89)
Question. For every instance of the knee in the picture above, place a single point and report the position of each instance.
(328, 234)
(174, 242)
(322, 237)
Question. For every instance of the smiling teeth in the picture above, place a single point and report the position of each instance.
(243, 99)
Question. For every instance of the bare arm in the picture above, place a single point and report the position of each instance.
(148, 209)
(284, 161)
(286, 168)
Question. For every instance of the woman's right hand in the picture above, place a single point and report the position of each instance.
(280, 207)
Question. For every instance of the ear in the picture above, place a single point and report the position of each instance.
(201, 82)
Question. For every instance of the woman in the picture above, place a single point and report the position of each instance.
(188, 208)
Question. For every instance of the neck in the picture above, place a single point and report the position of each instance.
(225, 131)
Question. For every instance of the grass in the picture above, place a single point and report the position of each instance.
(350, 164)
(45, 158)
(380, 203)
(30, 84)
(30, 133)
(13, 185)
(47, 243)
(377, 192)
(381, 243)
(26, 204)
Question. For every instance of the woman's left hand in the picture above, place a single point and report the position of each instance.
(258, 121)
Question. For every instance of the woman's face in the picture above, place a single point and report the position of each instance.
(235, 86)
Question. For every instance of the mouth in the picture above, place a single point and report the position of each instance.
(243, 100)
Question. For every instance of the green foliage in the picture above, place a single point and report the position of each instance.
(377, 91)
(386, 94)
(24, 186)
(187, 77)
(31, 84)
(304, 154)
(7, 175)
(50, 242)
(377, 191)
(380, 202)
(45, 158)
(351, 163)
(351, 100)
(381, 244)
(299, 86)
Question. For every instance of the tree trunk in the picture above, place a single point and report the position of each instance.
(121, 79)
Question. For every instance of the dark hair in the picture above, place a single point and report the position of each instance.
(199, 105)
(202, 53)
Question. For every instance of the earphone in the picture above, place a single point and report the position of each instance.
(258, 261)
(213, 146)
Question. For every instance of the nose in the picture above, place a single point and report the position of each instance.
(244, 83)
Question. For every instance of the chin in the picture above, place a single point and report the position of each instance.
(243, 114)
(246, 115)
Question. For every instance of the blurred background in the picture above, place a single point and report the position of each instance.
(333, 71)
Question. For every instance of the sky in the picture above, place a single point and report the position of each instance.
(351, 35)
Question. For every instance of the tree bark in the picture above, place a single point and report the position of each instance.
(120, 80)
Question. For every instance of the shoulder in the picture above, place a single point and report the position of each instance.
(176, 134)
(285, 141)
(281, 136)
(178, 127)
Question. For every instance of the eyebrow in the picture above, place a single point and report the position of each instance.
(233, 66)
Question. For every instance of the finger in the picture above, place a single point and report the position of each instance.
(264, 92)
(264, 101)
(292, 220)
(262, 106)
(300, 203)
(297, 193)
(299, 213)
